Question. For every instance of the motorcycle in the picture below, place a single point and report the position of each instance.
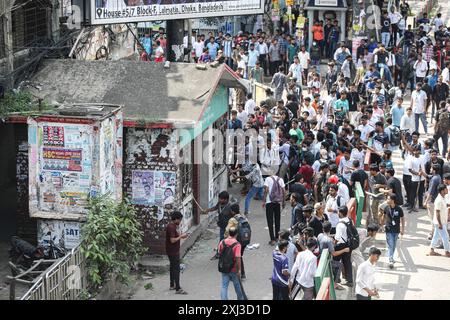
(23, 254)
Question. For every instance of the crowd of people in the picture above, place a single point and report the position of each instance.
(317, 138)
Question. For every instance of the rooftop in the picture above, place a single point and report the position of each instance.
(147, 90)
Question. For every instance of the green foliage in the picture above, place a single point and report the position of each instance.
(20, 101)
(148, 286)
(111, 240)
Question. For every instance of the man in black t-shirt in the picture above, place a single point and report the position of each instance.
(385, 29)
(298, 187)
(292, 105)
(394, 186)
(394, 225)
(358, 175)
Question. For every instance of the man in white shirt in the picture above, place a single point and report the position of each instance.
(242, 115)
(306, 265)
(421, 67)
(250, 104)
(438, 21)
(446, 73)
(407, 121)
(440, 221)
(418, 105)
(273, 206)
(365, 128)
(365, 276)
(296, 70)
(417, 188)
(345, 165)
(198, 47)
(305, 59)
(332, 205)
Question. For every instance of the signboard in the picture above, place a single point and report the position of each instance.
(124, 11)
(327, 3)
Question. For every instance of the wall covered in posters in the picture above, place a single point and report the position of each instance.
(151, 181)
(69, 162)
(63, 233)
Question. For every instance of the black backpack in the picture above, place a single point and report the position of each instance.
(294, 154)
(245, 232)
(352, 235)
(395, 136)
(226, 257)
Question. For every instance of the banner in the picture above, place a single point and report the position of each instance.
(124, 11)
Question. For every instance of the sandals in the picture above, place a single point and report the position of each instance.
(433, 253)
(181, 291)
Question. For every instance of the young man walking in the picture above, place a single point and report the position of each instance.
(173, 239)
(365, 276)
(304, 269)
(273, 201)
(440, 221)
(394, 225)
(230, 264)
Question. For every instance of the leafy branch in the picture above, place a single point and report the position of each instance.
(112, 240)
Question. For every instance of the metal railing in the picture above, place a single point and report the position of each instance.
(323, 272)
(66, 279)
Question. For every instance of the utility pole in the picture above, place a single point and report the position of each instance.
(175, 35)
(7, 36)
(189, 27)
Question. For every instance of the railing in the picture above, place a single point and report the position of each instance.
(324, 291)
(64, 280)
(351, 206)
(323, 272)
(360, 200)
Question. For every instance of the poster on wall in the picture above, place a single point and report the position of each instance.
(53, 136)
(143, 187)
(66, 234)
(61, 159)
(164, 187)
(153, 187)
(124, 11)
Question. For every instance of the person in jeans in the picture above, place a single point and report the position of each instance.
(173, 239)
(418, 106)
(235, 274)
(257, 188)
(394, 225)
(440, 221)
(273, 208)
(365, 276)
(280, 273)
(234, 223)
(304, 270)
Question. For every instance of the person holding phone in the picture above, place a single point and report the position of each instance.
(173, 239)
(365, 276)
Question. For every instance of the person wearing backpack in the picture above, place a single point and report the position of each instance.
(239, 222)
(230, 264)
(394, 135)
(274, 195)
(346, 237)
(394, 222)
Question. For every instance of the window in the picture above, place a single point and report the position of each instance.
(30, 25)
